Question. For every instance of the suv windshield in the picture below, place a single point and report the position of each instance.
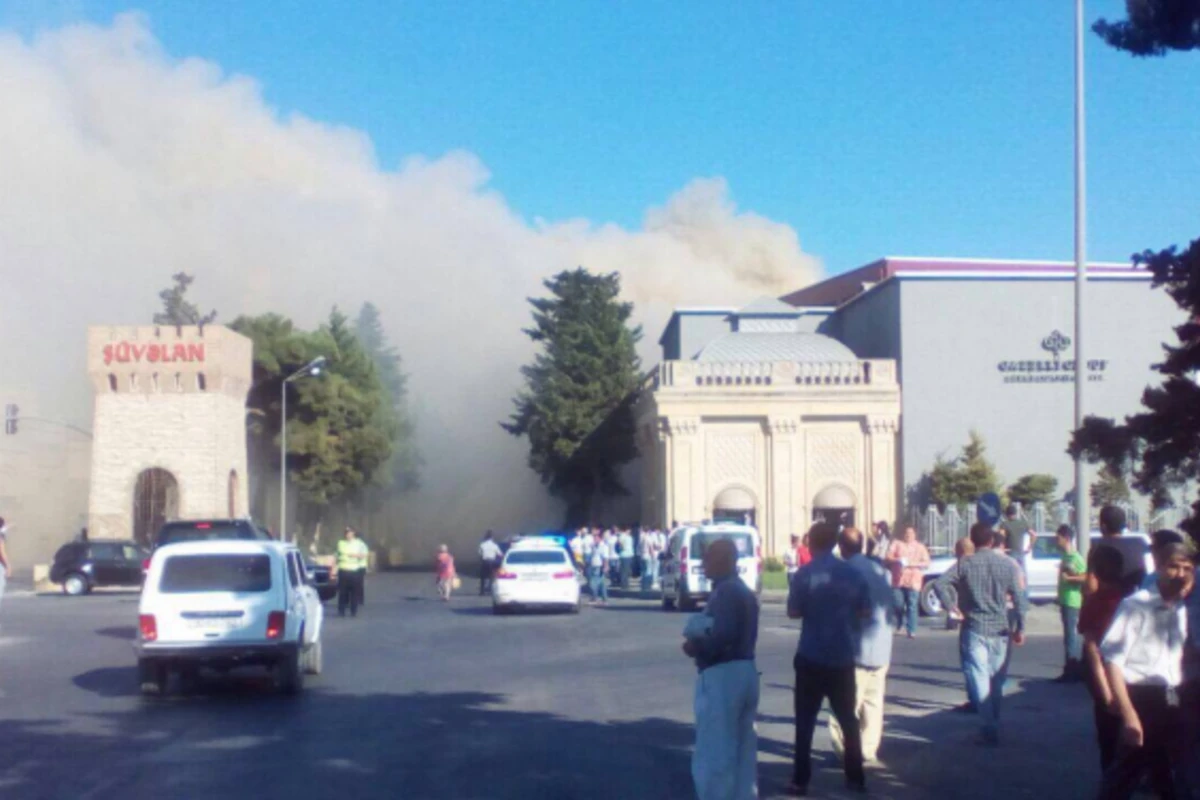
(536, 557)
(744, 543)
(216, 573)
(204, 530)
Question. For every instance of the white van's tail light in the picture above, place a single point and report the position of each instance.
(506, 575)
(758, 553)
(145, 565)
(683, 564)
(276, 622)
(564, 575)
(148, 627)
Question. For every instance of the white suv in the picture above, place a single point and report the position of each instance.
(226, 604)
(682, 572)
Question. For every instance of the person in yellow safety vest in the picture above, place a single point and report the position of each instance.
(352, 553)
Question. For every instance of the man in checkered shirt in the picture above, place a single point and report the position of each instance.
(985, 582)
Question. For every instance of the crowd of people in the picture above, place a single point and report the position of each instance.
(1127, 633)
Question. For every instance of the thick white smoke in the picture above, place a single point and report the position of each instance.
(120, 165)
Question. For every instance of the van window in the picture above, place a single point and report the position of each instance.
(293, 572)
(216, 573)
(744, 543)
(105, 552)
(205, 530)
(535, 557)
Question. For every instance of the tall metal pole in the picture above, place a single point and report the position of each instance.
(1082, 506)
(283, 463)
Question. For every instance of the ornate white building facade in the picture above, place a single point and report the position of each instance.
(770, 423)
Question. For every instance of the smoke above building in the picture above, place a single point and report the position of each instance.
(122, 164)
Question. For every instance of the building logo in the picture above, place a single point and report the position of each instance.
(1055, 343)
(1052, 371)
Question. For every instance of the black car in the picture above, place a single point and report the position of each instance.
(322, 580)
(198, 530)
(82, 566)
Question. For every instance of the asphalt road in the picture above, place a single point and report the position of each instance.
(422, 700)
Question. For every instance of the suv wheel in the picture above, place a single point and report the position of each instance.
(152, 676)
(75, 584)
(289, 674)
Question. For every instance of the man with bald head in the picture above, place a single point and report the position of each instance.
(722, 642)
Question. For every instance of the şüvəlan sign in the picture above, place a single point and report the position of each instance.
(154, 353)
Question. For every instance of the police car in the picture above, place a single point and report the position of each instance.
(535, 573)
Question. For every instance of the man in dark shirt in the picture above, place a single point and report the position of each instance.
(1132, 550)
(984, 583)
(1016, 532)
(725, 761)
(834, 600)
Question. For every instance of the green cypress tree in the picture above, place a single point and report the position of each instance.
(575, 408)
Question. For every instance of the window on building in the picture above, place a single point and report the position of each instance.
(154, 382)
(201, 383)
(133, 381)
(112, 382)
(178, 382)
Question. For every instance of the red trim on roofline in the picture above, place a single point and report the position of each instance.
(841, 288)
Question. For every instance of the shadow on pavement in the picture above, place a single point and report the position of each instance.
(126, 632)
(458, 745)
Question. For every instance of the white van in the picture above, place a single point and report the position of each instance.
(226, 604)
(682, 570)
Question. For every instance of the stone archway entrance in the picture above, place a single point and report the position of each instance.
(834, 504)
(155, 500)
(735, 504)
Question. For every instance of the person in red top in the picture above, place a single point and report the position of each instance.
(1095, 618)
(907, 560)
(446, 574)
(803, 554)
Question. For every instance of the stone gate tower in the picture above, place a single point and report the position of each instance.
(170, 426)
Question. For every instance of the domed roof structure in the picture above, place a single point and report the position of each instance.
(754, 346)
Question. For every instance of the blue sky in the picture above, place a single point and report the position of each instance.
(874, 127)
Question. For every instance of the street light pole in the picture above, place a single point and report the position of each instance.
(1082, 509)
(312, 368)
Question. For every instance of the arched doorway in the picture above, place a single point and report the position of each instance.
(735, 504)
(233, 494)
(155, 500)
(834, 504)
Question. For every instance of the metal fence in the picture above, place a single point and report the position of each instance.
(940, 529)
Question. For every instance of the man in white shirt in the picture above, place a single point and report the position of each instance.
(489, 559)
(648, 547)
(598, 564)
(625, 554)
(1143, 656)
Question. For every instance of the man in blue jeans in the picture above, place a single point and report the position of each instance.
(984, 582)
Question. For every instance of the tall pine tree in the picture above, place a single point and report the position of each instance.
(404, 467)
(575, 408)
